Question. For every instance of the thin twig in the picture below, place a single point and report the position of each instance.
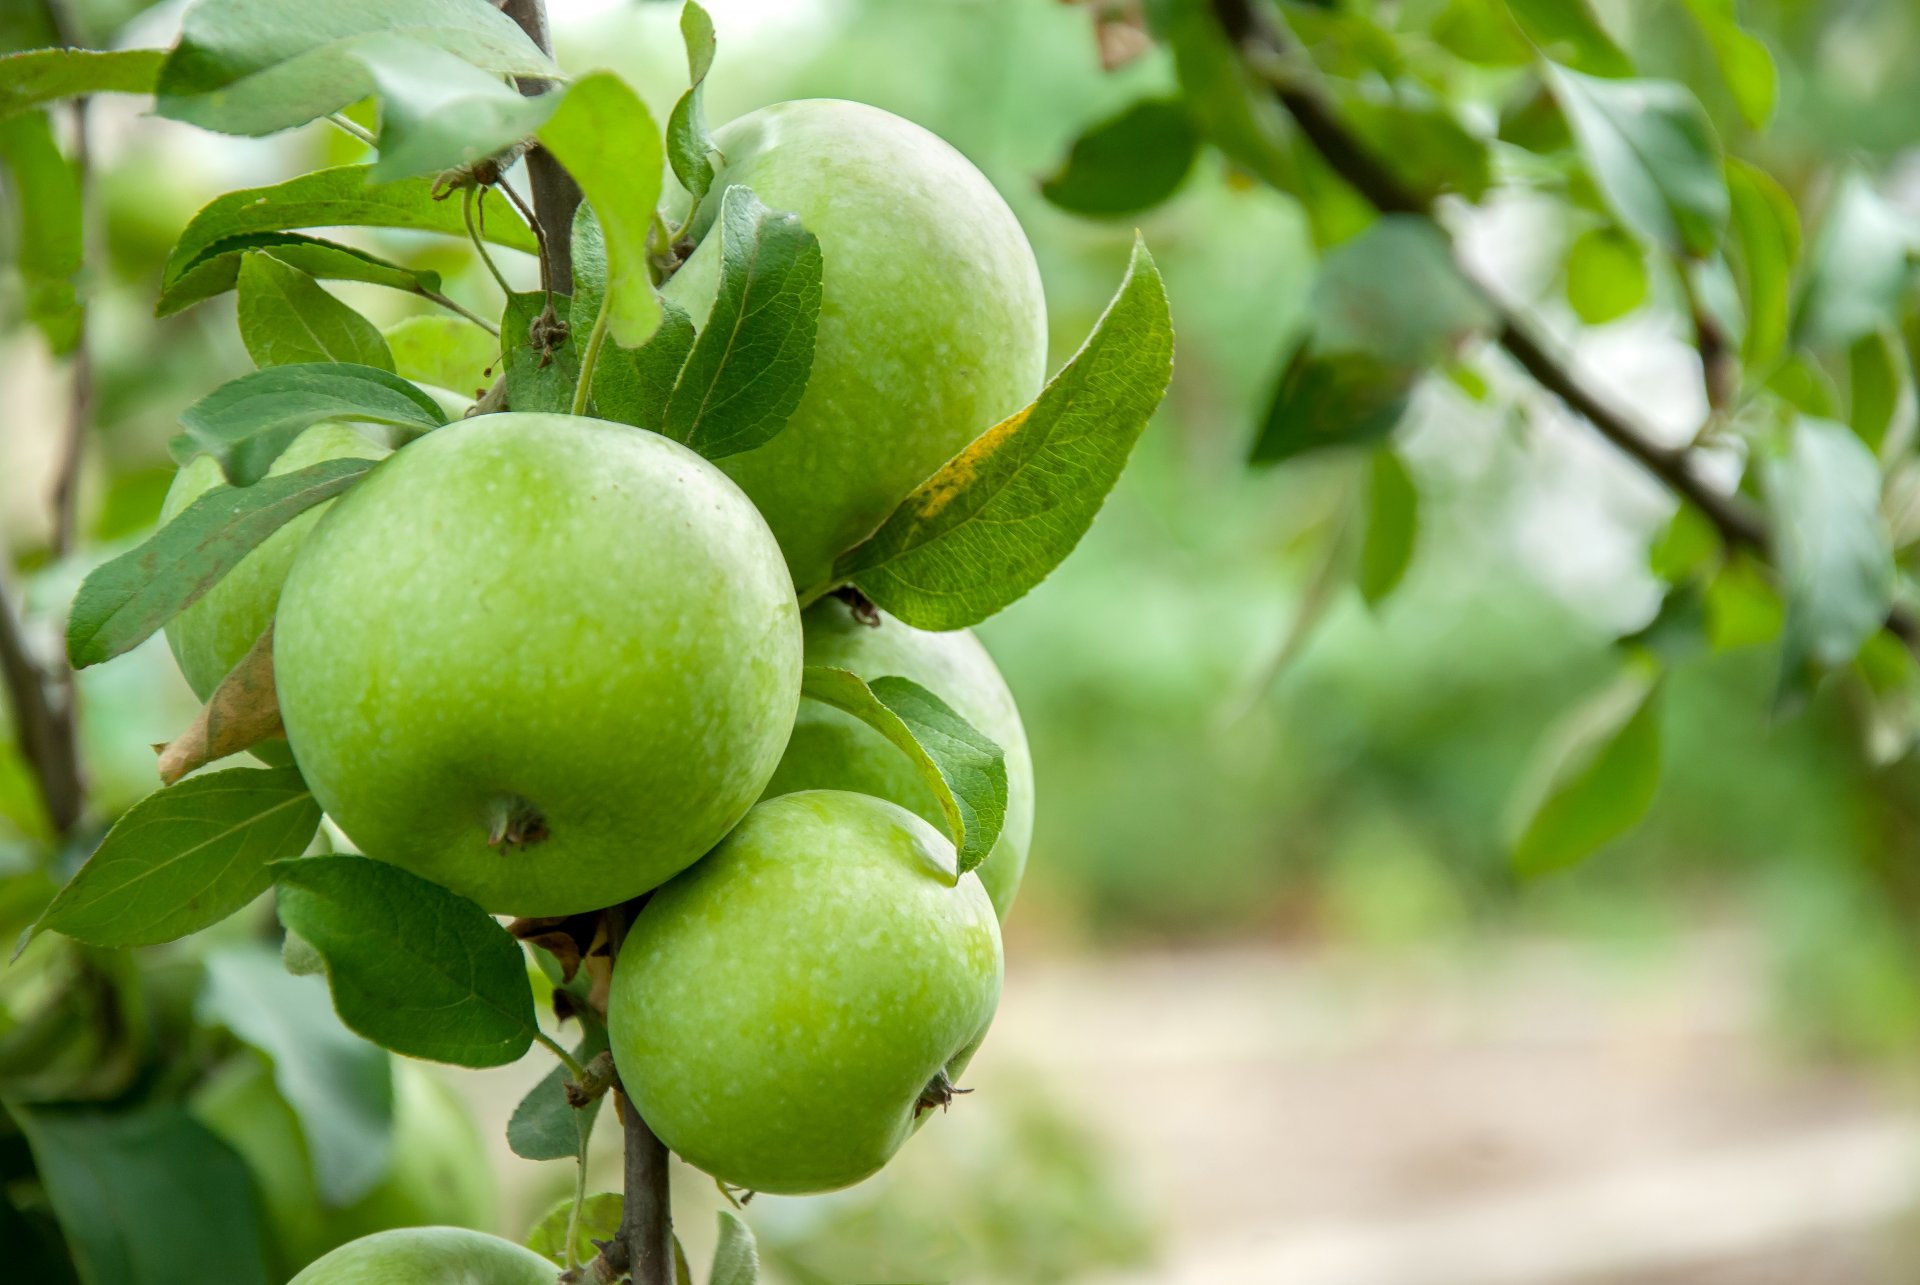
(1349, 157)
(351, 128)
(41, 711)
(449, 304)
(472, 203)
(538, 225)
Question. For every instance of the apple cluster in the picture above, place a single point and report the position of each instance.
(554, 664)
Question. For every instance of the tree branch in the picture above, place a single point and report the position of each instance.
(1349, 157)
(555, 194)
(43, 724)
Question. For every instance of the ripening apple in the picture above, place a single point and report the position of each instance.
(932, 327)
(211, 636)
(831, 750)
(543, 660)
(786, 1011)
(430, 1256)
(438, 1172)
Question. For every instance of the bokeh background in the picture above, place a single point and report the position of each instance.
(1277, 1009)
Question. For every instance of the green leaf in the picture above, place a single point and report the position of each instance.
(44, 75)
(1745, 65)
(1230, 106)
(1653, 154)
(1596, 778)
(963, 769)
(1567, 31)
(339, 1086)
(47, 249)
(736, 1260)
(630, 385)
(446, 352)
(185, 857)
(545, 1126)
(147, 1197)
(749, 367)
(1876, 377)
(1419, 141)
(438, 112)
(286, 319)
(1766, 240)
(1387, 305)
(605, 137)
(599, 1220)
(1393, 524)
(1743, 610)
(1832, 548)
(341, 197)
(1126, 163)
(999, 516)
(243, 67)
(216, 269)
(541, 373)
(1862, 265)
(246, 423)
(1606, 275)
(413, 967)
(689, 143)
(121, 603)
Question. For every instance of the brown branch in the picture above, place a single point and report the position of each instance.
(555, 194)
(1349, 157)
(41, 709)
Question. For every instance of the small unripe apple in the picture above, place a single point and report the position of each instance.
(438, 1172)
(211, 636)
(543, 660)
(430, 1256)
(785, 1012)
(831, 750)
(933, 326)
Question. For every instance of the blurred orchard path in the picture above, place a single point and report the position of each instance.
(1535, 1112)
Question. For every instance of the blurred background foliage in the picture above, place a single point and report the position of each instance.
(1365, 796)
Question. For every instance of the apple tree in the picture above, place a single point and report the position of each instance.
(618, 625)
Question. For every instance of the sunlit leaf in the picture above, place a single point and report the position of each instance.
(1393, 525)
(1606, 275)
(44, 75)
(1766, 237)
(1596, 777)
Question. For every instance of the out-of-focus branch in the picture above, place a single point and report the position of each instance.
(41, 709)
(1349, 157)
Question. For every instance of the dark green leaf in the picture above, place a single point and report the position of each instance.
(1567, 31)
(749, 366)
(1596, 778)
(1862, 265)
(1393, 524)
(1745, 64)
(544, 1126)
(1653, 154)
(736, 1261)
(47, 247)
(339, 1086)
(243, 67)
(1766, 240)
(217, 268)
(1126, 163)
(122, 602)
(185, 857)
(1337, 399)
(1395, 293)
(413, 967)
(689, 143)
(1832, 547)
(999, 516)
(43, 75)
(632, 385)
(438, 112)
(964, 770)
(246, 423)
(1606, 275)
(608, 142)
(599, 1220)
(341, 197)
(542, 353)
(147, 1197)
(1876, 377)
(447, 352)
(286, 319)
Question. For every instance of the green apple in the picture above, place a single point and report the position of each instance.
(831, 750)
(439, 1171)
(784, 1012)
(933, 327)
(543, 660)
(211, 636)
(430, 1256)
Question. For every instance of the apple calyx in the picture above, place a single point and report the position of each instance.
(940, 1092)
(515, 823)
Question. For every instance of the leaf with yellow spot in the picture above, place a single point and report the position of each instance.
(1001, 515)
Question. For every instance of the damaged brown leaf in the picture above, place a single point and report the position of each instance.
(242, 712)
